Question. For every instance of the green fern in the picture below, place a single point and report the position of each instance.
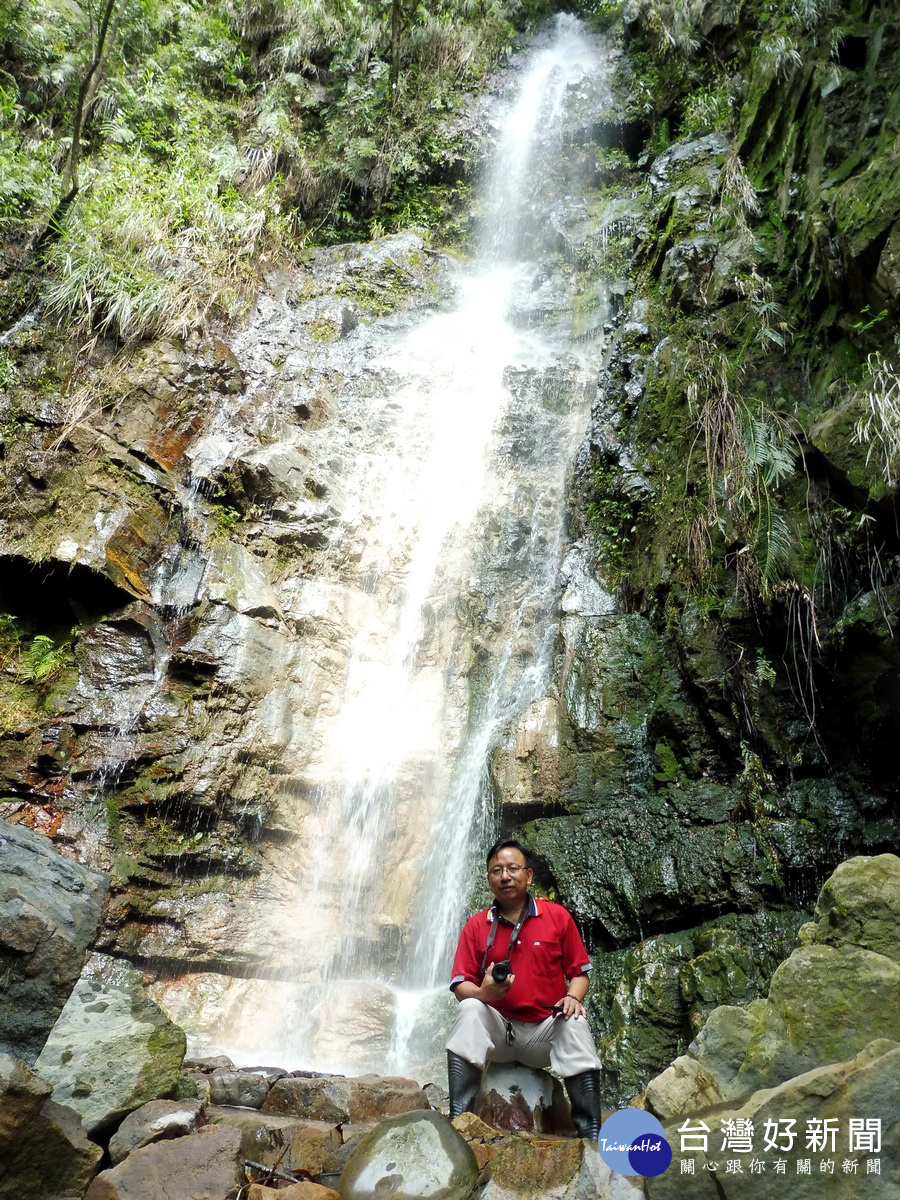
(43, 660)
(771, 542)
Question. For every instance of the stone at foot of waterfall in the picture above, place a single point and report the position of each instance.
(295, 1191)
(44, 1151)
(517, 1097)
(865, 1088)
(527, 1167)
(206, 1066)
(155, 1122)
(248, 1089)
(520, 1166)
(484, 1141)
(534, 1170)
(205, 1166)
(416, 1156)
(314, 1146)
(339, 1098)
(112, 1048)
(49, 912)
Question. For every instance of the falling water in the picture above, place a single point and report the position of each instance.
(456, 503)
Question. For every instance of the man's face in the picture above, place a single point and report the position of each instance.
(508, 877)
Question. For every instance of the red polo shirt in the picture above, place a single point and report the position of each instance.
(547, 952)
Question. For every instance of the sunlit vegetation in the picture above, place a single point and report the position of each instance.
(214, 137)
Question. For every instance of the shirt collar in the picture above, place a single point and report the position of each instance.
(531, 910)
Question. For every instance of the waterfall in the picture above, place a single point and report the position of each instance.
(453, 515)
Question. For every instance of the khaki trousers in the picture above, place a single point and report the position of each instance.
(479, 1035)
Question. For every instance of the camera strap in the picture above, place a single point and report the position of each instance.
(513, 937)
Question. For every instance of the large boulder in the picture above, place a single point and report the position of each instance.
(415, 1156)
(860, 906)
(50, 908)
(866, 1088)
(834, 995)
(44, 1151)
(112, 1049)
(205, 1166)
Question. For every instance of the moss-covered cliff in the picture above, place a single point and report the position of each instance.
(726, 731)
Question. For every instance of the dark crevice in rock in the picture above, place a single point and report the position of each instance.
(851, 52)
(56, 595)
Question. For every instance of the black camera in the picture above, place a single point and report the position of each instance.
(502, 971)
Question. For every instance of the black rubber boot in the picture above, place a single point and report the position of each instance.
(465, 1080)
(584, 1096)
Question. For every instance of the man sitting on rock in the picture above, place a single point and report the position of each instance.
(509, 975)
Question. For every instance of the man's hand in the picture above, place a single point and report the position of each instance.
(491, 992)
(570, 1007)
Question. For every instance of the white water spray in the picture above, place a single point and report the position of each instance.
(456, 502)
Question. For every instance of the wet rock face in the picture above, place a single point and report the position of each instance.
(50, 910)
(199, 507)
(662, 835)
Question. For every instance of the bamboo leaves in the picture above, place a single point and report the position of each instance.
(749, 451)
(879, 427)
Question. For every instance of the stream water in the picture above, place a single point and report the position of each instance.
(456, 499)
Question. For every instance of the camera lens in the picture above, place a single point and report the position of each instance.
(501, 971)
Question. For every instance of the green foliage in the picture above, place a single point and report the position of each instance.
(152, 249)
(879, 427)
(10, 637)
(42, 660)
(672, 22)
(612, 516)
(763, 673)
(222, 134)
(226, 518)
(749, 451)
(25, 167)
(27, 665)
(707, 109)
(9, 372)
(37, 659)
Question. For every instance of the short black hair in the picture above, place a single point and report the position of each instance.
(504, 844)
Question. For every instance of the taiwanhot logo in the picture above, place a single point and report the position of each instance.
(632, 1142)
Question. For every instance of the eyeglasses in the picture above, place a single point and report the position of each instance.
(496, 872)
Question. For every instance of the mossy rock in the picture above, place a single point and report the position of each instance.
(860, 906)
